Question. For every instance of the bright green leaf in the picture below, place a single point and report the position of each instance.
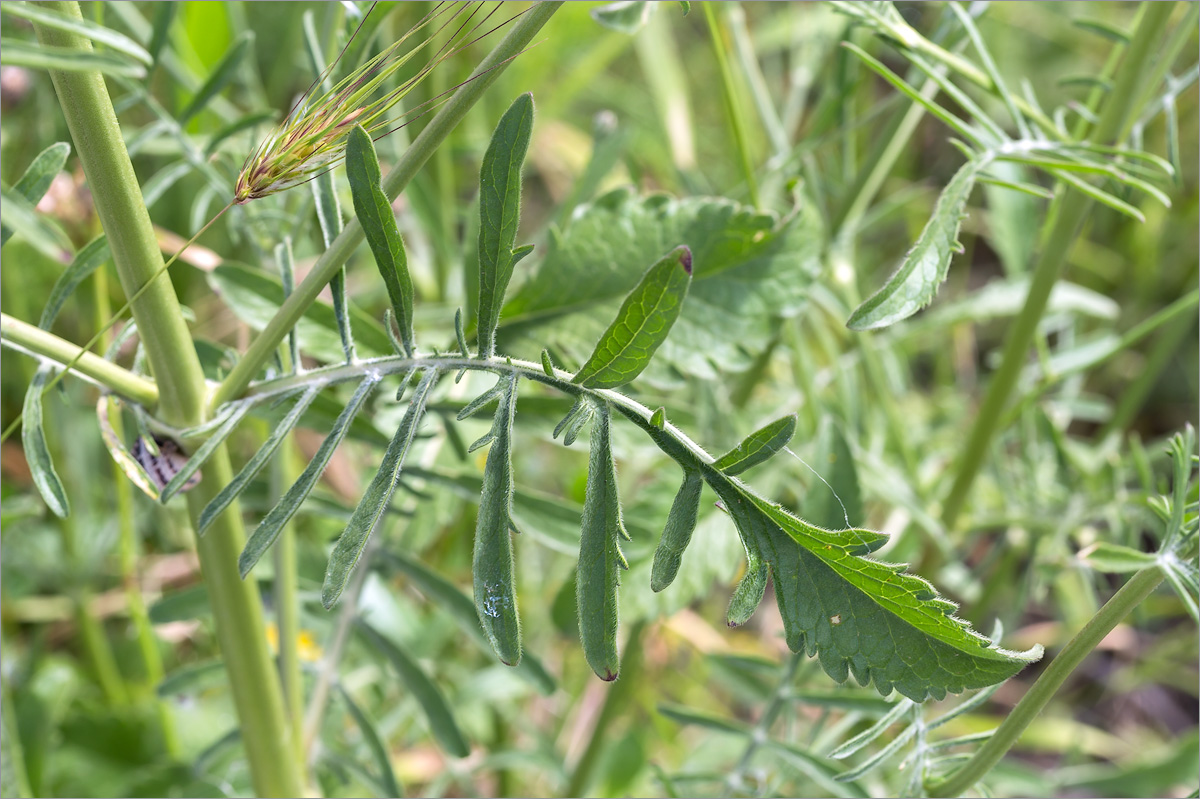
(18, 53)
(758, 447)
(84, 27)
(37, 453)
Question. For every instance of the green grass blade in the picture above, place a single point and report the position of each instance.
(205, 451)
(374, 213)
(681, 523)
(441, 721)
(287, 277)
(37, 453)
(375, 501)
(268, 530)
(37, 178)
(499, 215)
(87, 260)
(492, 564)
(329, 214)
(600, 557)
(221, 75)
(686, 715)
(641, 325)
(235, 487)
(374, 741)
(924, 267)
(18, 53)
(97, 33)
(759, 446)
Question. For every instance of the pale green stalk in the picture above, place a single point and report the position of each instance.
(732, 108)
(335, 256)
(236, 605)
(1069, 212)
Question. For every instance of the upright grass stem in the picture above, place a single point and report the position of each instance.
(732, 109)
(236, 605)
(1067, 215)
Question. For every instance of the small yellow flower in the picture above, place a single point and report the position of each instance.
(306, 645)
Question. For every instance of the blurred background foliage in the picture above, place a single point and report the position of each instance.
(1074, 466)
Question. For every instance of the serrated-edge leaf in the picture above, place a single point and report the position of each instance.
(268, 530)
(374, 213)
(260, 458)
(500, 214)
(84, 27)
(87, 260)
(677, 534)
(193, 464)
(600, 555)
(378, 496)
(221, 74)
(19, 53)
(448, 597)
(642, 324)
(374, 741)
(437, 710)
(749, 592)
(493, 568)
(759, 446)
(37, 453)
(36, 181)
(925, 265)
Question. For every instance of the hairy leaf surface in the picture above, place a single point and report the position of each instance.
(600, 557)
(758, 447)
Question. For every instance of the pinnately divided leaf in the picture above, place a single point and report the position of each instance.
(268, 530)
(499, 215)
(375, 501)
(857, 615)
(641, 325)
(600, 557)
(924, 267)
(494, 573)
(374, 212)
(36, 451)
(758, 447)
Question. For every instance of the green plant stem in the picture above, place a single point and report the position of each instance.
(236, 605)
(732, 110)
(287, 601)
(263, 347)
(1031, 705)
(116, 379)
(1071, 209)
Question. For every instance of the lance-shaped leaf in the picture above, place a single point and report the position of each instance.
(37, 454)
(383, 760)
(600, 556)
(758, 446)
(221, 75)
(681, 523)
(374, 213)
(329, 215)
(857, 615)
(268, 530)
(441, 721)
(641, 325)
(924, 267)
(492, 565)
(500, 214)
(235, 487)
(193, 464)
(33, 184)
(378, 496)
(86, 261)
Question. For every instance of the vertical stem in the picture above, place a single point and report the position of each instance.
(1088, 638)
(1070, 210)
(287, 601)
(732, 108)
(236, 605)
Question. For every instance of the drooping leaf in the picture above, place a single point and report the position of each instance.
(641, 325)
(500, 214)
(236, 486)
(924, 267)
(681, 523)
(448, 597)
(492, 563)
(84, 27)
(378, 496)
(87, 260)
(374, 213)
(759, 446)
(600, 558)
(269, 528)
(37, 178)
(383, 760)
(856, 614)
(441, 721)
(750, 267)
(37, 454)
(749, 592)
(219, 78)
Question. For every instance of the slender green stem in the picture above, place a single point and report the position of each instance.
(334, 257)
(1071, 209)
(43, 343)
(732, 109)
(1031, 705)
(236, 605)
(287, 601)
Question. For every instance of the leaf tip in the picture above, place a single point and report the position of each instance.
(685, 258)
